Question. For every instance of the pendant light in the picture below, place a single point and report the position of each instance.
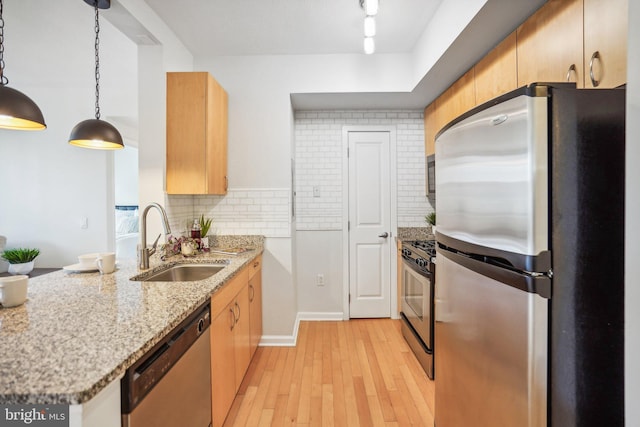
(17, 110)
(96, 133)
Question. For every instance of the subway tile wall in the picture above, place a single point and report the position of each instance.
(263, 211)
(318, 147)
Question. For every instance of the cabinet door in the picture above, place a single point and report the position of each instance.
(255, 309)
(196, 134)
(430, 124)
(605, 32)
(549, 44)
(242, 335)
(223, 378)
(217, 123)
(186, 133)
(497, 72)
(458, 99)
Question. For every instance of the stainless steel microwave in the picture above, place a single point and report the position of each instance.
(430, 175)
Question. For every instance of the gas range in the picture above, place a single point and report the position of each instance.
(422, 253)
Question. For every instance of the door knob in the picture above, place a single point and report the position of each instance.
(384, 235)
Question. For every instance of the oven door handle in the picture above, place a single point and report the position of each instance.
(408, 262)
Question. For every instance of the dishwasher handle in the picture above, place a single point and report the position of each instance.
(145, 373)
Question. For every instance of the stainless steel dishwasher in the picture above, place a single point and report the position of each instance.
(171, 384)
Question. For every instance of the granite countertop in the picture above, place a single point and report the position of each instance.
(78, 332)
(414, 233)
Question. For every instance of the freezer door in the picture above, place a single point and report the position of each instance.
(490, 351)
(491, 177)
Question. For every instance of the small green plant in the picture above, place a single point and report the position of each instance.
(431, 218)
(205, 225)
(20, 255)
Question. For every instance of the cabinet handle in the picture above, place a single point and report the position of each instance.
(252, 293)
(238, 307)
(572, 67)
(256, 264)
(594, 82)
(233, 321)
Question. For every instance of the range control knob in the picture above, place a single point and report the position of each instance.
(421, 262)
(406, 252)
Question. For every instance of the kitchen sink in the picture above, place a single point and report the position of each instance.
(181, 273)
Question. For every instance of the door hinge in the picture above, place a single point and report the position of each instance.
(349, 298)
(348, 225)
(347, 151)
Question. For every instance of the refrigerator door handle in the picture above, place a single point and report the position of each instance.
(532, 283)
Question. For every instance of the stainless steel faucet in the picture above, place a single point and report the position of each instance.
(146, 252)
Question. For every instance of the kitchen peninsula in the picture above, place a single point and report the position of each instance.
(78, 333)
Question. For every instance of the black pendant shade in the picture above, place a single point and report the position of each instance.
(18, 111)
(96, 134)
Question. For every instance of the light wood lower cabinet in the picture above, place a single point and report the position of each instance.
(223, 379)
(233, 333)
(255, 303)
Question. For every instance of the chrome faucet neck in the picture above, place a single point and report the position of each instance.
(146, 252)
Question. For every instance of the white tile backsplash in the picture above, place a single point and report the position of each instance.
(319, 154)
(261, 211)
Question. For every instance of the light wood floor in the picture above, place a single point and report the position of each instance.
(344, 374)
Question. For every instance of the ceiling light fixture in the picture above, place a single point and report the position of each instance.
(17, 110)
(96, 133)
(370, 7)
(369, 26)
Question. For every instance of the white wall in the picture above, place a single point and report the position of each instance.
(632, 232)
(48, 185)
(126, 176)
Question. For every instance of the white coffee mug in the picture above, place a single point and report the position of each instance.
(13, 290)
(88, 260)
(106, 262)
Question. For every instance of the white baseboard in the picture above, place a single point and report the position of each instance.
(290, 340)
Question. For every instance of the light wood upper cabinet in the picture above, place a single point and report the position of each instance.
(458, 99)
(549, 44)
(430, 129)
(605, 32)
(497, 72)
(196, 134)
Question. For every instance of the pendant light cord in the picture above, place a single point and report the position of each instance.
(3, 80)
(97, 48)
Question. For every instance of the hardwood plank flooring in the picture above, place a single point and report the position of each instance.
(355, 373)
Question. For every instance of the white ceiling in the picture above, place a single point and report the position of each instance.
(288, 27)
(272, 27)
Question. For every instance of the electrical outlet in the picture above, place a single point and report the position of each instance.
(316, 191)
(84, 223)
(320, 280)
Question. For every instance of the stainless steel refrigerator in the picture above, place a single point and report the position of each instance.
(530, 260)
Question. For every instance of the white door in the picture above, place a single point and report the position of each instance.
(369, 224)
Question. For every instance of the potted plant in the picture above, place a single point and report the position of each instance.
(20, 259)
(205, 226)
(431, 220)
